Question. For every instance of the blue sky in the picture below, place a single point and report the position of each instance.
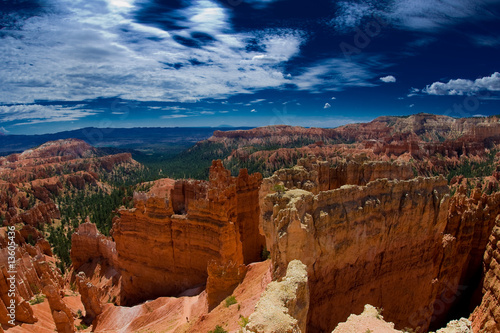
(124, 63)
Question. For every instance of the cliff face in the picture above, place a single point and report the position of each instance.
(469, 225)
(314, 175)
(356, 241)
(402, 245)
(88, 244)
(485, 317)
(162, 253)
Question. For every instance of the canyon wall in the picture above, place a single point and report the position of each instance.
(403, 245)
(163, 251)
(357, 240)
(486, 317)
(315, 175)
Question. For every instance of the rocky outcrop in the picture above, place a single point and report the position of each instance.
(90, 295)
(457, 326)
(284, 305)
(486, 317)
(357, 238)
(30, 266)
(370, 320)
(315, 175)
(42, 213)
(88, 244)
(63, 318)
(163, 251)
(356, 241)
(222, 279)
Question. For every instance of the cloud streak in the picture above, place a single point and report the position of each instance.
(417, 15)
(35, 113)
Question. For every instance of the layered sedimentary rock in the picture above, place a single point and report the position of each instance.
(42, 213)
(486, 317)
(401, 245)
(315, 175)
(63, 317)
(356, 241)
(88, 244)
(90, 298)
(162, 253)
(222, 279)
(30, 266)
(30, 181)
(469, 224)
(433, 143)
(284, 305)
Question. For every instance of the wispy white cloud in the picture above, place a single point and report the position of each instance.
(420, 15)
(388, 79)
(327, 106)
(85, 50)
(174, 116)
(464, 86)
(253, 110)
(337, 74)
(413, 92)
(171, 108)
(25, 114)
(257, 101)
(486, 40)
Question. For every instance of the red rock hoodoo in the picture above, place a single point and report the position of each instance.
(163, 251)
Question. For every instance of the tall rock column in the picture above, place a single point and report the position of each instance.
(62, 315)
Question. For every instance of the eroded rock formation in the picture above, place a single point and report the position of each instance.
(284, 305)
(30, 181)
(63, 317)
(30, 266)
(88, 244)
(486, 317)
(162, 251)
(356, 240)
(90, 298)
(400, 245)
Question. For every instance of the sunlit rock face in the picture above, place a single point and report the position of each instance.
(164, 244)
(402, 245)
